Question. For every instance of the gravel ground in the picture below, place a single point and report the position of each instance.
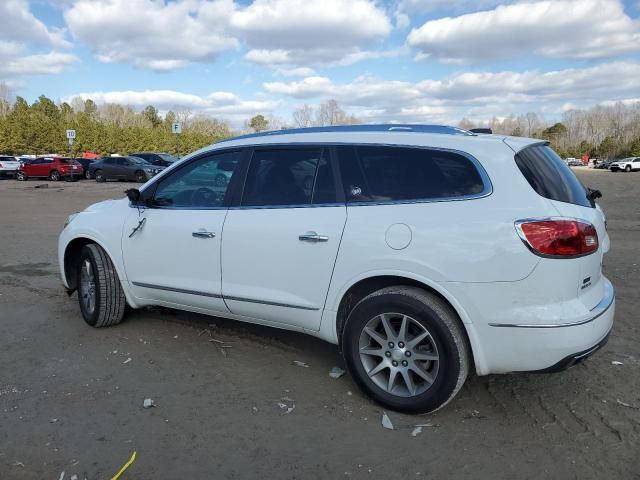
(71, 400)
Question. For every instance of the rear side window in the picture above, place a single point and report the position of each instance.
(385, 174)
(286, 177)
(550, 177)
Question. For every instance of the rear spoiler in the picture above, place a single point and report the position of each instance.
(481, 130)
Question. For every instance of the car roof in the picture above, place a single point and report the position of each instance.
(438, 136)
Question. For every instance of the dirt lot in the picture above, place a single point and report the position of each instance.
(69, 402)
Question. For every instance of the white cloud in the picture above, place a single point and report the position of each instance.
(28, 46)
(36, 64)
(472, 95)
(166, 35)
(20, 25)
(582, 29)
(310, 33)
(153, 34)
(225, 105)
(418, 6)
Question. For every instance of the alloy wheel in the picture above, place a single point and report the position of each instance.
(88, 287)
(399, 354)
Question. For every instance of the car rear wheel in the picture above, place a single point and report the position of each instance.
(140, 177)
(54, 176)
(87, 174)
(100, 176)
(21, 176)
(102, 301)
(406, 348)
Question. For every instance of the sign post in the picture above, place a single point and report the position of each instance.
(177, 129)
(71, 136)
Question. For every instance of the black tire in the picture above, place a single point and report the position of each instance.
(627, 168)
(54, 176)
(87, 174)
(21, 177)
(100, 176)
(141, 177)
(446, 331)
(109, 301)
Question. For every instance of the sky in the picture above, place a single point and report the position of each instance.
(424, 61)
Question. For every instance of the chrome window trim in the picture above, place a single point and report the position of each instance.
(600, 309)
(486, 180)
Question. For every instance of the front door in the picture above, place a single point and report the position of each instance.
(280, 245)
(175, 255)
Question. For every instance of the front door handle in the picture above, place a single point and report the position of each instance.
(313, 237)
(203, 234)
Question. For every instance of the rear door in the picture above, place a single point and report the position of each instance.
(279, 246)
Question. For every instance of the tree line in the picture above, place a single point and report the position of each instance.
(40, 128)
(603, 131)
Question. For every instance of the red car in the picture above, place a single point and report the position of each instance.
(53, 168)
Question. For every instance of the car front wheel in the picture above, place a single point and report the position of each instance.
(102, 301)
(21, 176)
(406, 348)
(140, 177)
(627, 168)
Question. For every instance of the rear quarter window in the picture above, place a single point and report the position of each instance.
(389, 174)
(550, 177)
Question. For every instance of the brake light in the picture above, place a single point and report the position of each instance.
(558, 238)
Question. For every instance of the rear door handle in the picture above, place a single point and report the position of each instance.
(203, 234)
(313, 237)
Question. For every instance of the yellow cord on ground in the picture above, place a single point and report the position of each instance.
(125, 466)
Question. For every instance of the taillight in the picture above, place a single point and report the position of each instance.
(558, 238)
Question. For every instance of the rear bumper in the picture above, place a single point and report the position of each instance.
(525, 347)
(573, 359)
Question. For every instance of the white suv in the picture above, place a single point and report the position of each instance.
(422, 251)
(626, 164)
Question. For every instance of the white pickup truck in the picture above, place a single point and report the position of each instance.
(8, 166)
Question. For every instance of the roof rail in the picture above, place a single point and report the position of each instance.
(385, 127)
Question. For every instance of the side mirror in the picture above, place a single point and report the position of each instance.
(134, 196)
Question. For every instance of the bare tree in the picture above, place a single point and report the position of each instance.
(303, 116)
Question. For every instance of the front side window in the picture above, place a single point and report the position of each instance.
(198, 184)
(387, 174)
(286, 177)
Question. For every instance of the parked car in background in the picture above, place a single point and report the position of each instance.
(423, 251)
(8, 166)
(86, 162)
(603, 164)
(53, 168)
(123, 168)
(158, 159)
(630, 164)
(574, 162)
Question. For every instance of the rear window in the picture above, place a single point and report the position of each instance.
(387, 174)
(550, 177)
